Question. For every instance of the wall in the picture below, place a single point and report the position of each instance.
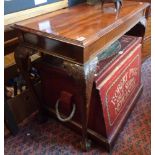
(18, 5)
(12, 6)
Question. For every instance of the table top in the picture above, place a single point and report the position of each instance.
(80, 25)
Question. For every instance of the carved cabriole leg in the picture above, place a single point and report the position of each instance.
(84, 77)
(22, 57)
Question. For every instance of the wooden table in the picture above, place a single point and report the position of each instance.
(77, 35)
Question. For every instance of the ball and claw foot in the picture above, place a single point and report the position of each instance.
(86, 145)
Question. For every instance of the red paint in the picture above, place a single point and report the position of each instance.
(119, 89)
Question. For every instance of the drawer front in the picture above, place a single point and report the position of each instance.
(118, 88)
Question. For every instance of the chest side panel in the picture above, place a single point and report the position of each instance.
(118, 88)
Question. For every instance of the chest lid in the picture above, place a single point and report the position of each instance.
(114, 54)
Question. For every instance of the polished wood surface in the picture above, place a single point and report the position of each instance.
(82, 24)
(146, 51)
(85, 29)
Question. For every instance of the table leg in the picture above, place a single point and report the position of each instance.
(84, 77)
(87, 86)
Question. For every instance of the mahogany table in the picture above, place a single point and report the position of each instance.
(76, 35)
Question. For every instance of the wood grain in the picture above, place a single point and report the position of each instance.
(86, 27)
(82, 24)
(9, 59)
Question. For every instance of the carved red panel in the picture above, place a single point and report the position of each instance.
(118, 88)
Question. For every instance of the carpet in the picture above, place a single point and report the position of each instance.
(52, 138)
